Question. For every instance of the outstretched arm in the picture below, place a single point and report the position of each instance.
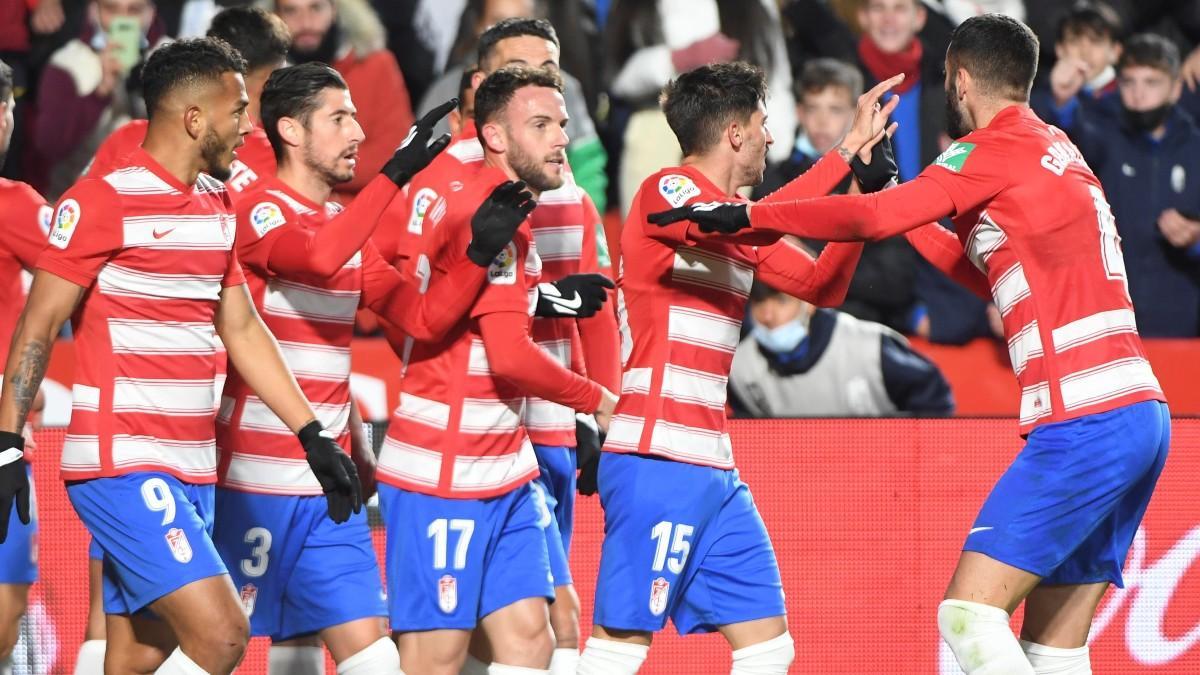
(823, 282)
(943, 250)
(426, 316)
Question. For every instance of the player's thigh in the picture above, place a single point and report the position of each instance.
(204, 612)
(981, 579)
(747, 633)
(436, 652)
(14, 598)
(347, 639)
(95, 622)
(519, 634)
(564, 616)
(1061, 616)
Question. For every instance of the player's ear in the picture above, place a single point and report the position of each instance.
(493, 137)
(194, 122)
(962, 82)
(734, 133)
(291, 131)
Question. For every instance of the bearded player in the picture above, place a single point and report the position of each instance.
(1031, 216)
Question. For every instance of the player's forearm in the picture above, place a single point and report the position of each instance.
(823, 282)
(820, 179)
(513, 356)
(51, 302)
(943, 250)
(427, 317)
(601, 342)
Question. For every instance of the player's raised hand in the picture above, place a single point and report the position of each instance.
(577, 296)
(871, 117)
(497, 219)
(879, 170)
(416, 152)
(334, 470)
(14, 481)
(723, 217)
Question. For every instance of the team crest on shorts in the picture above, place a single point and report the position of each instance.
(659, 588)
(249, 595)
(448, 593)
(180, 547)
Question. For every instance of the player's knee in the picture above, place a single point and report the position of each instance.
(224, 643)
(772, 657)
(981, 639)
(378, 658)
(1057, 660)
(526, 642)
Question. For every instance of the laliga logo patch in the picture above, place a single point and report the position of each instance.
(677, 189)
(659, 588)
(266, 217)
(180, 547)
(249, 595)
(421, 203)
(503, 270)
(447, 594)
(45, 217)
(64, 223)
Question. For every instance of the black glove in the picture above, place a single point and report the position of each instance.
(334, 471)
(577, 296)
(587, 454)
(881, 171)
(496, 221)
(14, 480)
(416, 152)
(724, 217)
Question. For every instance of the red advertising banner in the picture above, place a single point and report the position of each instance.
(867, 517)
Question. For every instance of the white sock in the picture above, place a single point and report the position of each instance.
(1057, 660)
(473, 666)
(565, 661)
(772, 657)
(609, 657)
(981, 639)
(378, 658)
(501, 669)
(296, 660)
(178, 663)
(91, 658)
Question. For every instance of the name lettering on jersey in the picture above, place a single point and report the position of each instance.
(241, 176)
(45, 217)
(64, 223)
(422, 202)
(1060, 155)
(503, 270)
(955, 156)
(677, 189)
(265, 217)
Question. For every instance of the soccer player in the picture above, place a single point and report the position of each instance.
(142, 262)
(309, 266)
(700, 554)
(1032, 217)
(263, 41)
(26, 222)
(466, 546)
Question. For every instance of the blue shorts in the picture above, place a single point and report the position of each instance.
(451, 562)
(296, 571)
(697, 552)
(556, 488)
(1068, 507)
(18, 553)
(155, 531)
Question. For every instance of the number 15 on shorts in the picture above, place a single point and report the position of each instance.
(671, 548)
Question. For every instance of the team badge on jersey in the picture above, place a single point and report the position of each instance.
(181, 548)
(423, 200)
(447, 594)
(659, 588)
(954, 156)
(503, 270)
(266, 217)
(64, 223)
(45, 217)
(677, 189)
(249, 595)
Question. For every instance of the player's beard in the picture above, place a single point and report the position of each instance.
(532, 170)
(328, 170)
(956, 121)
(213, 152)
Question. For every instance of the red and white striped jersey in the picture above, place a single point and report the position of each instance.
(1033, 217)
(457, 431)
(154, 255)
(25, 224)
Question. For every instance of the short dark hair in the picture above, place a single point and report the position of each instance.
(821, 74)
(761, 290)
(497, 89)
(294, 92)
(1150, 50)
(258, 35)
(1089, 18)
(187, 63)
(999, 52)
(464, 86)
(699, 104)
(511, 28)
(6, 82)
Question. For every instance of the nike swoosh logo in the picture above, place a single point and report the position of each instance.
(575, 302)
(978, 529)
(160, 235)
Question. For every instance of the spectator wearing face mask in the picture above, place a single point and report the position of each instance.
(799, 361)
(1087, 48)
(1148, 159)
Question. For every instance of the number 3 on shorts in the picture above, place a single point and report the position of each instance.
(259, 539)
(680, 546)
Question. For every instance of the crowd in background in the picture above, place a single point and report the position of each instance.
(1120, 77)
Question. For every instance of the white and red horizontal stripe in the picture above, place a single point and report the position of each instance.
(115, 279)
(303, 301)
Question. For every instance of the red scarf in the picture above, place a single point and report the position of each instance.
(882, 65)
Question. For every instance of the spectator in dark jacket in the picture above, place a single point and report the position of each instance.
(1088, 45)
(802, 362)
(1148, 159)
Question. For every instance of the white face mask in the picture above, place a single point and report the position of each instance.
(782, 339)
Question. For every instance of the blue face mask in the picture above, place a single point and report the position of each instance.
(781, 339)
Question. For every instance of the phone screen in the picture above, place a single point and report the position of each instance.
(125, 34)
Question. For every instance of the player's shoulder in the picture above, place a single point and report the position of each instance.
(673, 187)
(15, 192)
(266, 207)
